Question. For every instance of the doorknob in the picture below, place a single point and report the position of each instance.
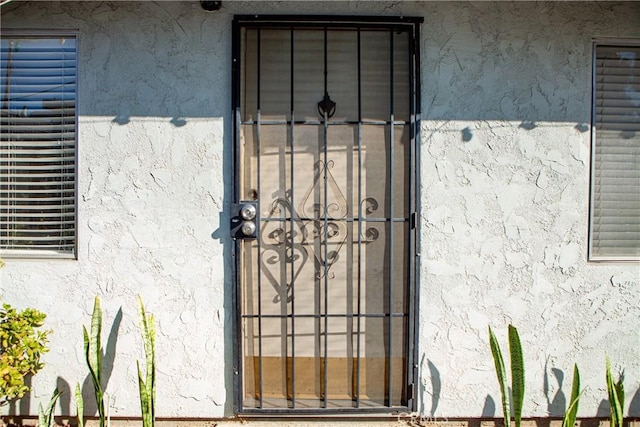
(244, 218)
(248, 211)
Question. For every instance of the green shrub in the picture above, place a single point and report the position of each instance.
(21, 347)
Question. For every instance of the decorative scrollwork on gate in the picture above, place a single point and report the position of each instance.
(318, 230)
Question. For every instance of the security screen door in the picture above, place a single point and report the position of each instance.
(325, 151)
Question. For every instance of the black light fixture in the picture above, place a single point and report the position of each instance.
(210, 6)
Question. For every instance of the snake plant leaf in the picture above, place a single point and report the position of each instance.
(146, 383)
(569, 419)
(620, 393)
(79, 405)
(92, 345)
(45, 417)
(501, 373)
(616, 398)
(93, 353)
(42, 421)
(88, 356)
(95, 346)
(144, 397)
(517, 374)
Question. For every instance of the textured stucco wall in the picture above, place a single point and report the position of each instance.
(505, 149)
(505, 155)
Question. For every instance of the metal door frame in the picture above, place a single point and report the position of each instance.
(412, 25)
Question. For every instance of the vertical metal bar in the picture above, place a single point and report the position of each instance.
(326, 234)
(351, 192)
(258, 146)
(291, 233)
(317, 290)
(416, 303)
(359, 200)
(392, 214)
(412, 213)
(238, 348)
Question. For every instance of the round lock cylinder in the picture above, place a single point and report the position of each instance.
(248, 228)
(248, 212)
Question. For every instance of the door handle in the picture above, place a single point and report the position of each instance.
(244, 220)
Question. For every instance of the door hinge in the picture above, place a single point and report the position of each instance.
(410, 392)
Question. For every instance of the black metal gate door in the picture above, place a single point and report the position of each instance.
(325, 219)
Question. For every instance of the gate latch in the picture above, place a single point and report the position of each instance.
(244, 220)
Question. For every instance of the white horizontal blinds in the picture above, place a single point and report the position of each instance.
(38, 146)
(616, 163)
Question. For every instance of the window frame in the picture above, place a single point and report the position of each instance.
(596, 43)
(45, 254)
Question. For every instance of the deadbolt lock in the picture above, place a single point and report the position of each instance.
(244, 219)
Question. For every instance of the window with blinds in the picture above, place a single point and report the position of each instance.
(615, 168)
(38, 146)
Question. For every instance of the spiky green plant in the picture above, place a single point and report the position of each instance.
(501, 372)
(616, 397)
(569, 419)
(45, 417)
(147, 383)
(517, 375)
(79, 405)
(93, 354)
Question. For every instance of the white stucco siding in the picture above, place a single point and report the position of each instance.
(505, 175)
(153, 105)
(505, 150)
